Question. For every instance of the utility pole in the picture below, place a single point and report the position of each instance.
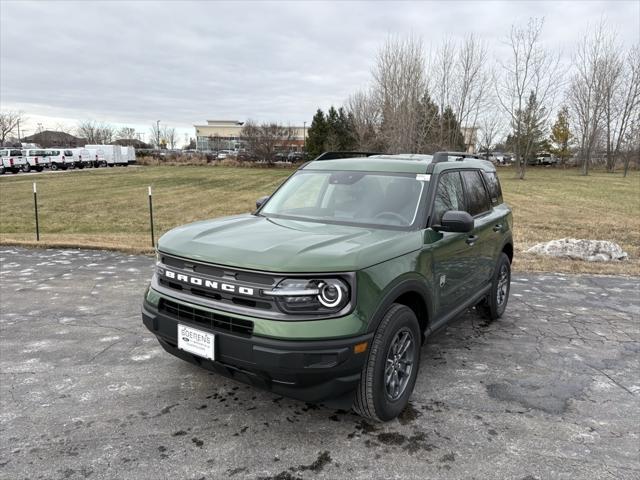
(304, 137)
(158, 134)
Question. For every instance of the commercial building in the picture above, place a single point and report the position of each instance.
(226, 135)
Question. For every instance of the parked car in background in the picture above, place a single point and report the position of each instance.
(35, 159)
(546, 159)
(295, 156)
(222, 154)
(60, 159)
(11, 160)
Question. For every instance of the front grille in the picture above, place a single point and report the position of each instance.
(214, 321)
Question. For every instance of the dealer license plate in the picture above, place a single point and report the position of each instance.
(196, 341)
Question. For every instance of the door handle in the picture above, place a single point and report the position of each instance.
(471, 239)
(497, 227)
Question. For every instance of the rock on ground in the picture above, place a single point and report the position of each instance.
(580, 249)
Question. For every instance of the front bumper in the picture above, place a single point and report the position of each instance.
(310, 370)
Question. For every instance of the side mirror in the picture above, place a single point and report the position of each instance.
(456, 221)
(261, 201)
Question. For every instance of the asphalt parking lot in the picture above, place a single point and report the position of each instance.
(550, 391)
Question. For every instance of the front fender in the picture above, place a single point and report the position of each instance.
(380, 285)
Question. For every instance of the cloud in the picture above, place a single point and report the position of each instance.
(134, 62)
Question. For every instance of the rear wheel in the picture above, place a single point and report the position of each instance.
(494, 305)
(39, 169)
(26, 168)
(2, 169)
(390, 373)
(54, 166)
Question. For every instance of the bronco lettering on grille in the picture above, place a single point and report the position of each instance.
(203, 282)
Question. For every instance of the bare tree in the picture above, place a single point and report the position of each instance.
(490, 128)
(170, 137)
(399, 83)
(364, 116)
(155, 135)
(530, 71)
(264, 140)
(587, 90)
(9, 122)
(95, 133)
(625, 98)
(126, 133)
(471, 82)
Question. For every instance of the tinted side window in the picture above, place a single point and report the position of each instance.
(476, 194)
(493, 185)
(450, 196)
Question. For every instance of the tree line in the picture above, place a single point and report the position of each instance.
(457, 97)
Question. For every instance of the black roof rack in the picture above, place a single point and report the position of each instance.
(444, 156)
(350, 154)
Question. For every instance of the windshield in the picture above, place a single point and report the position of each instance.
(352, 198)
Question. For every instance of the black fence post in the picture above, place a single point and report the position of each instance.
(153, 241)
(35, 204)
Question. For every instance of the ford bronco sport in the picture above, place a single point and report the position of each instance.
(329, 289)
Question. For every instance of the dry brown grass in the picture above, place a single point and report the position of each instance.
(107, 208)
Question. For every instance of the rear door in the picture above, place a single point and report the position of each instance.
(479, 207)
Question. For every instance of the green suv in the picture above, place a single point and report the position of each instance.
(327, 291)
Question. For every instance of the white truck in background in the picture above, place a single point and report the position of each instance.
(36, 159)
(112, 154)
(129, 153)
(60, 158)
(96, 157)
(11, 160)
(82, 157)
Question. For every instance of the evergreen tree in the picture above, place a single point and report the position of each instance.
(453, 138)
(332, 141)
(345, 131)
(317, 135)
(428, 125)
(561, 136)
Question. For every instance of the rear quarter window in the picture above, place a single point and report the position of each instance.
(494, 188)
(477, 199)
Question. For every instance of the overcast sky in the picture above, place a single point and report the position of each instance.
(137, 62)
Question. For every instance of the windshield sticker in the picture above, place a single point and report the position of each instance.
(423, 177)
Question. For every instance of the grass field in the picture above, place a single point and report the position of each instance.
(108, 208)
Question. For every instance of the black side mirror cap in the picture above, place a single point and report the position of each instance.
(456, 221)
(261, 201)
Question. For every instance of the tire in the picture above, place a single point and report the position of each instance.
(39, 169)
(494, 305)
(80, 166)
(54, 166)
(26, 168)
(2, 169)
(15, 170)
(373, 399)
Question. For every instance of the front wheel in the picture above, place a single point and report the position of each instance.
(391, 369)
(54, 166)
(39, 169)
(2, 169)
(494, 305)
(26, 168)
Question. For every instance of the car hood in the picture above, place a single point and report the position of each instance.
(278, 245)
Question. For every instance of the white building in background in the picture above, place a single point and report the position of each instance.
(225, 135)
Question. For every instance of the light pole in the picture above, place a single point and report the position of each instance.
(158, 134)
(304, 137)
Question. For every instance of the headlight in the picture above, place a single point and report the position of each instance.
(317, 295)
